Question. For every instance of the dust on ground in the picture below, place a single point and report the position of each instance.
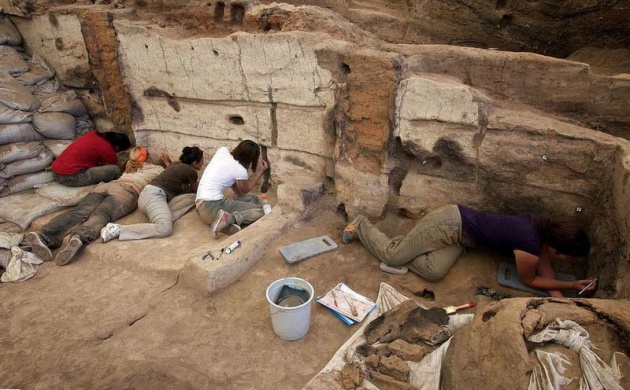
(117, 317)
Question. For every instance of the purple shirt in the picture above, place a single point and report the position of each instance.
(501, 233)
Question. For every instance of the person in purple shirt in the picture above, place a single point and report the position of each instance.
(433, 245)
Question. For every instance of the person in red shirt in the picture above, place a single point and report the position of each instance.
(91, 159)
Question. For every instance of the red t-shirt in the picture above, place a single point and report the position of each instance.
(88, 151)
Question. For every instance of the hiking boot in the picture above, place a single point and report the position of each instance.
(110, 231)
(35, 242)
(221, 221)
(349, 231)
(66, 254)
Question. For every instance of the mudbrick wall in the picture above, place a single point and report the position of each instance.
(375, 97)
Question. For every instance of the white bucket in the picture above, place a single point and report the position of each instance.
(290, 323)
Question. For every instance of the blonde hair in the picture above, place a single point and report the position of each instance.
(137, 155)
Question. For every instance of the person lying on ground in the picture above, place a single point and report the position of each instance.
(91, 159)
(106, 202)
(177, 179)
(229, 170)
(433, 245)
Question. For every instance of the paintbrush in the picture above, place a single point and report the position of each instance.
(453, 309)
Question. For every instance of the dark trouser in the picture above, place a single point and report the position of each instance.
(102, 174)
(106, 203)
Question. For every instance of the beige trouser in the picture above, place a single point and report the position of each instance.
(430, 249)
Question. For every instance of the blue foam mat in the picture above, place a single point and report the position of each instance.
(308, 248)
(508, 277)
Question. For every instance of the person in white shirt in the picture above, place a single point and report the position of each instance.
(230, 170)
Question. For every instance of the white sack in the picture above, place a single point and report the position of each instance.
(11, 61)
(9, 35)
(65, 102)
(7, 240)
(31, 165)
(10, 116)
(32, 206)
(45, 88)
(10, 227)
(84, 125)
(26, 182)
(38, 71)
(22, 266)
(5, 256)
(54, 125)
(64, 195)
(20, 151)
(596, 374)
(57, 146)
(15, 95)
(18, 132)
(426, 371)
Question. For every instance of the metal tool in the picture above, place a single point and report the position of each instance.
(587, 286)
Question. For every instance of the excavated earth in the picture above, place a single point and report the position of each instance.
(132, 315)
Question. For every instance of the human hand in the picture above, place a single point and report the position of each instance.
(585, 285)
(166, 160)
(262, 166)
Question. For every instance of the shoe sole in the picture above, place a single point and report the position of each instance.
(216, 223)
(68, 252)
(38, 247)
(231, 229)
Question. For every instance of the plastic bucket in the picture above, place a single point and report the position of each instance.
(290, 322)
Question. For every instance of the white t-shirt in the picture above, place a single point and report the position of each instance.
(222, 171)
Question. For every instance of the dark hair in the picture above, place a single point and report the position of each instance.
(191, 154)
(119, 141)
(247, 153)
(564, 235)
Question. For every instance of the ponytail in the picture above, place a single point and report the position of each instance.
(190, 155)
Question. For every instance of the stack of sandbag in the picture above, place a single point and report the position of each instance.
(38, 117)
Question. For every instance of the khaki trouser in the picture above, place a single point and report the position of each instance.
(430, 249)
(243, 210)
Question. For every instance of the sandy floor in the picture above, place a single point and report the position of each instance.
(117, 317)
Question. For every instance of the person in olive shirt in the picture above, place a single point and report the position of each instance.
(178, 178)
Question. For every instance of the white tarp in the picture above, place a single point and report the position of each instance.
(596, 374)
(425, 375)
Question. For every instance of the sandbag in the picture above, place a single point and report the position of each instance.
(37, 164)
(67, 196)
(66, 101)
(55, 125)
(26, 182)
(19, 132)
(20, 151)
(56, 146)
(15, 95)
(38, 71)
(5, 256)
(11, 116)
(44, 89)
(32, 206)
(84, 125)
(9, 35)
(11, 61)
(10, 227)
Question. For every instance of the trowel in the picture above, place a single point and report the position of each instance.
(453, 309)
